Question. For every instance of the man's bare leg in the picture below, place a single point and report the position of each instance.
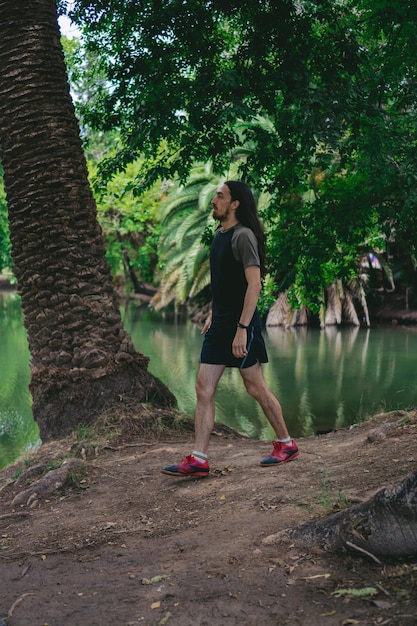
(207, 380)
(196, 464)
(258, 389)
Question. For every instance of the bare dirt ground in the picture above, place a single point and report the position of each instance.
(120, 543)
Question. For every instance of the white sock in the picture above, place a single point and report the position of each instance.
(286, 440)
(199, 456)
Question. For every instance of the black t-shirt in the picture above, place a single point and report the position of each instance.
(232, 251)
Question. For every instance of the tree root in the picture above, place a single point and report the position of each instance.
(384, 526)
(48, 483)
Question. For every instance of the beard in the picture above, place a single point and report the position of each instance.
(221, 218)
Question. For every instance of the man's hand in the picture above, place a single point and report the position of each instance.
(206, 326)
(239, 343)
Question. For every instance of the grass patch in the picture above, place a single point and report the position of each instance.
(144, 421)
(329, 498)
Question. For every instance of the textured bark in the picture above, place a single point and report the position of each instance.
(349, 311)
(333, 313)
(338, 309)
(384, 526)
(82, 360)
(281, 314)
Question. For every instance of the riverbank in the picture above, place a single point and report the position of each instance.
(120, 543)
(392, 309)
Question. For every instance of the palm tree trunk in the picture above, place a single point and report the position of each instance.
(82, 360)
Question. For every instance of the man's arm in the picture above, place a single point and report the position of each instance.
(253, 277)
(207, 323)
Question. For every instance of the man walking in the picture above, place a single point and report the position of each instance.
(233, 331)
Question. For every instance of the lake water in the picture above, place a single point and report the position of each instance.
(324, 379)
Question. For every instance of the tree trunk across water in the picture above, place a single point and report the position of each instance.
(82, 360)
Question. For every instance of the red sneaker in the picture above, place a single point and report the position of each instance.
(188, 466)
(281, 453)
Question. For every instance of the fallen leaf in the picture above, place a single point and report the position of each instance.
(156, 605)
(359, 593)
(155, 579)
(165, 618)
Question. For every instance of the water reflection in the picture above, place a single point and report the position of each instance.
(337, 377)
(324, 379)
(18, 431)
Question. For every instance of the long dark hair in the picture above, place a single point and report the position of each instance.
(247, 214)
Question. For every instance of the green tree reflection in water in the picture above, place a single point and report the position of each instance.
(18, 431)
(333, 378)
(324, 379)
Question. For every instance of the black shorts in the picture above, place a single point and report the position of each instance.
(217, 347)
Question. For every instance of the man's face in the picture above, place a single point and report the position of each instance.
(221, 204)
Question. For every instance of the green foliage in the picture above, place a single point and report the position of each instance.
(5, 249)
(267, 296)
(130, 231)
(130, 228)
(335, 233)
(322, 95)
(183, 251)
(18, 430)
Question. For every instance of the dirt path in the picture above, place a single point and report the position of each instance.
(127, 545)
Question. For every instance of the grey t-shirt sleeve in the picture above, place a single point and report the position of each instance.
(245, 246)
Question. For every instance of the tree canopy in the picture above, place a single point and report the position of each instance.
(185, 82)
